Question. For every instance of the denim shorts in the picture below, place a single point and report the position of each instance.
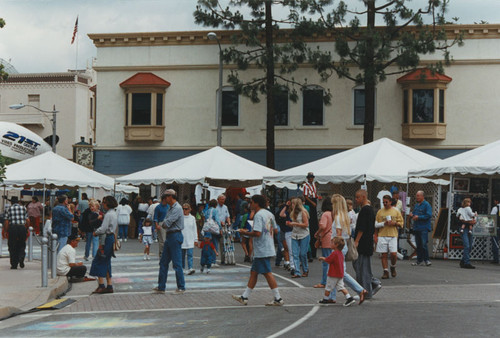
(147, 240)
(261, 265)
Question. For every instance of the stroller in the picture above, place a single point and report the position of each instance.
(228, 242)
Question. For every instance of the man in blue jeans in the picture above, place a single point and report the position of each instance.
(421, 217)
(172, 249)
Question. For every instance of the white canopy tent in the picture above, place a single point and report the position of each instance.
(215, 166)
(480, 162)
(483, 160)
(383, 160)
(52, 170)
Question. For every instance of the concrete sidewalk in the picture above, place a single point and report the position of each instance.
(20, 290)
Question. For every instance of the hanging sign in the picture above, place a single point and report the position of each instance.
(20, 143)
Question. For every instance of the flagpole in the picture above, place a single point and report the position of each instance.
(76, 58)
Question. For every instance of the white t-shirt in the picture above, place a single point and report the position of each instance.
(151, 210)
(189, 232)
(337, 225)
(263, 222)
(66, 256)
(466, 214)
(147, 230)
(123, 212)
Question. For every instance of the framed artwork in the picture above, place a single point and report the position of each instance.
(461, 184)
(456, 241)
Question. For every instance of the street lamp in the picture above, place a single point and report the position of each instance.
(213, 36)
(45, 112)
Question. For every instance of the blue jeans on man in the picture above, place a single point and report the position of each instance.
(91, 240)
(467, 239)
(422, 238)
(172, 252)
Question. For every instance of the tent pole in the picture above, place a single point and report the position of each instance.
(449, 209)
(406, 205)
(43, 211)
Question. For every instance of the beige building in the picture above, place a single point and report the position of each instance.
(157, 99)
(69, 92)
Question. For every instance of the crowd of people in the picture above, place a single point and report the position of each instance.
(293, 234)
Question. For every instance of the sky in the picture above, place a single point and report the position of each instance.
(37, 35)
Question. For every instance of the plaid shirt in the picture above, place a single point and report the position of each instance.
(16, 214)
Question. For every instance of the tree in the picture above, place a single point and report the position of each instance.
(3, 74)
(259, 43)
(366, 53)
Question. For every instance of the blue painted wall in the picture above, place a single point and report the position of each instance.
(123, 162)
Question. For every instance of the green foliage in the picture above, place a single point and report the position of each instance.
(3, 74)
(260, 44)
(4, 161)
(367, 55)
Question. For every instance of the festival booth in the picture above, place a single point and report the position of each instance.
(51, 171)
(474, 174)
(215, 169)
(376, 166)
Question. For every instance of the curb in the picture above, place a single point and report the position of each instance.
(59, 287)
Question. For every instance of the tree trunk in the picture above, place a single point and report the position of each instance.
(269, 87)
(369, 74)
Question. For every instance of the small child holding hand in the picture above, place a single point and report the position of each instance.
(336, 272)
(147, 236)
(208, 252)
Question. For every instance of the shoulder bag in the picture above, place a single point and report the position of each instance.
(352, 251)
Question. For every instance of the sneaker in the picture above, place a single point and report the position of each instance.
(157, 290)
(349, 301)
(286, 267)
(276, 302)
(121, 240)
(191, 271)
(147, 257)
(417, 264)
(179, 291)
(469, 266)
(376, 289)
(86, 259)
(240, 299)
(144, 258)
(215, 265)
(208, 271)
(327, 301)
(428, 263)
(385, 275)
(201, 270)
(125, 240)
(393, 271)
(156, 241)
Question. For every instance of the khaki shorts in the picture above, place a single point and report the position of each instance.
(387, 244)
(332, 282)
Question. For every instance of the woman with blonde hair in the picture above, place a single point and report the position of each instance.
(342, 227)
(300, 237)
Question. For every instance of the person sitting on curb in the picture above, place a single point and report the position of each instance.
(66, 264)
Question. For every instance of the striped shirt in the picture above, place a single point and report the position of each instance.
(310, 190)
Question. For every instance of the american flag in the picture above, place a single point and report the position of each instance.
(75, 30)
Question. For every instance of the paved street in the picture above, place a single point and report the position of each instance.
(441, 300)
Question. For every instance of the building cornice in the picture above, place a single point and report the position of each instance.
(152, 68)
(483, 31)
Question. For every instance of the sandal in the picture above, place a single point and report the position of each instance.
(319, 286)
(305, 274)
(296, 276)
